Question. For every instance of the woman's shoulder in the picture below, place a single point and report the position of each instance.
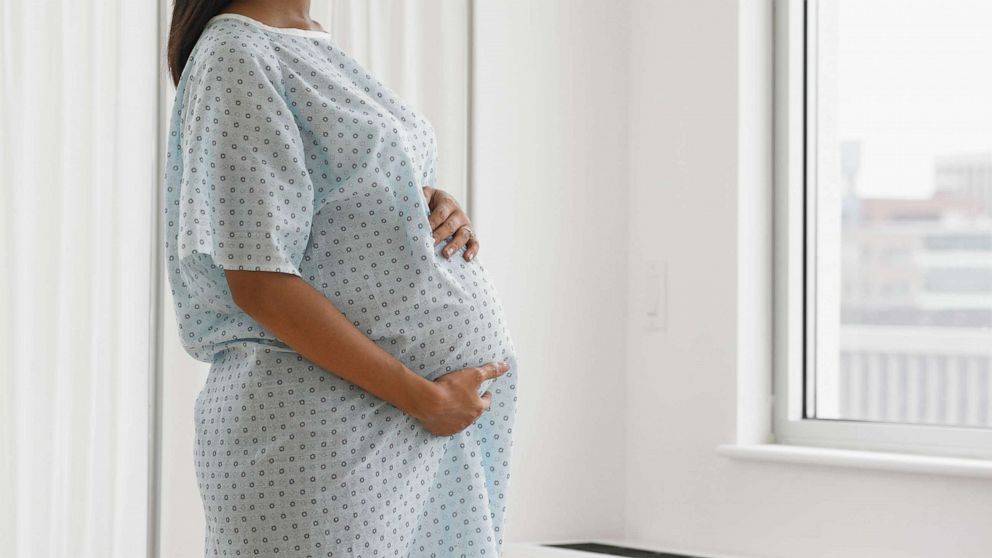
(230, 64)
(227, 43)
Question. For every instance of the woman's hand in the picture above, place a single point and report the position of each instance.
(457, 403)
(448, 219)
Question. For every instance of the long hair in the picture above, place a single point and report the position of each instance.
(189, 17)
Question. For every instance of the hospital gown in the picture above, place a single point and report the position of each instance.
(286, 155)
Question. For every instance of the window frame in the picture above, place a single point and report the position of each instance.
(793, 213)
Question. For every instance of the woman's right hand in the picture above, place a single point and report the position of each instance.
(456, 402)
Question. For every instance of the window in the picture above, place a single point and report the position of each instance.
(884, 225)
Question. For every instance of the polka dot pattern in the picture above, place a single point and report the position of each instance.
(286, 155)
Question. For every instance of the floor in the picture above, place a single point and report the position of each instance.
(536, 550)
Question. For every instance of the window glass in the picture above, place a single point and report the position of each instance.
(899, 211)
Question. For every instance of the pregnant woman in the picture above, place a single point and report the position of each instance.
(362, 392)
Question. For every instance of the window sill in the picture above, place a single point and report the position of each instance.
(899, 462)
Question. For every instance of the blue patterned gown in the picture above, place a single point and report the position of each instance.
(286, 155)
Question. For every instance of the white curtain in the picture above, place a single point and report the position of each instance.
(418, 48)
(78, 116)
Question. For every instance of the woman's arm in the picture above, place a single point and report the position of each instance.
(303, 318)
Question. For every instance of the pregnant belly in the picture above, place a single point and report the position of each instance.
(453, 321)
(432, 313)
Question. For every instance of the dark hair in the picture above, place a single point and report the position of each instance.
(189, 17)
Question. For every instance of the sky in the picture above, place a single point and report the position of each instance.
(914, 81)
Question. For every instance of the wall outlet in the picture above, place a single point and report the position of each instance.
(655, 295)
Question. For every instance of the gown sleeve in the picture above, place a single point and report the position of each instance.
(246, 196)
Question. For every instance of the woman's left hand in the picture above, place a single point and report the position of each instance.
(448, 219)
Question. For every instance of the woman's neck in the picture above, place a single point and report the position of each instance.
(277, 13)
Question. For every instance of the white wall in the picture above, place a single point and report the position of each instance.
(682, 390)
(550, 205)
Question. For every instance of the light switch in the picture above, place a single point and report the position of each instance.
(656, 296)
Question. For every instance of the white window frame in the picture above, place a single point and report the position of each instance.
(792, 83)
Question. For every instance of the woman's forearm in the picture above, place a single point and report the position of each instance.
(307, 321)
